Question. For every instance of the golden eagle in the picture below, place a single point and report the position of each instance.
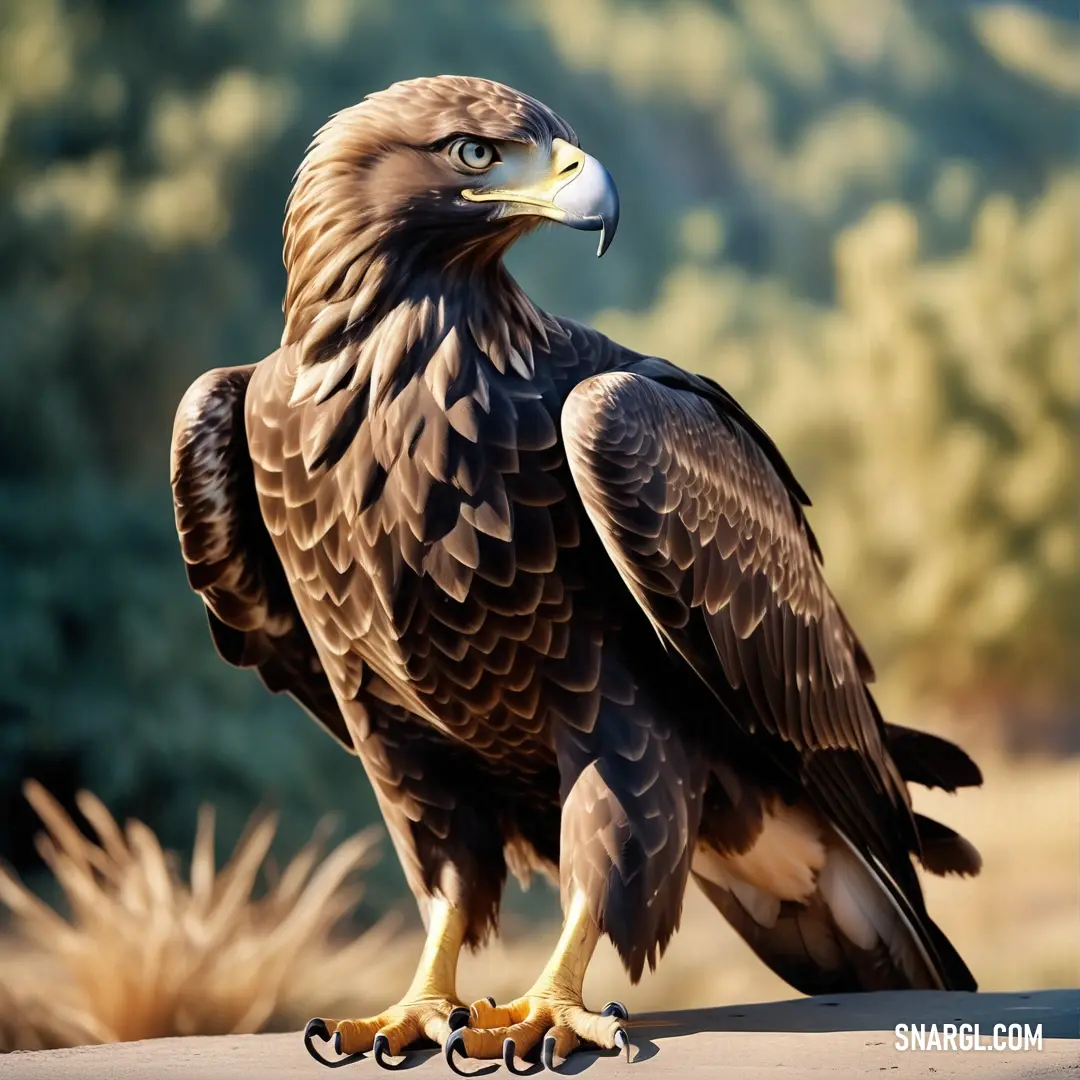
(560, 598)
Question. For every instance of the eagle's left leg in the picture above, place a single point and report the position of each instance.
(631, 803)
(435, 801)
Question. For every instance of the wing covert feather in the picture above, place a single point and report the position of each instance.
(701, 525)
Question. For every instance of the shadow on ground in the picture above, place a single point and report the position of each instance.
(1058, 1011)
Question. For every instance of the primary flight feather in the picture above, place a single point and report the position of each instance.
(560, 598)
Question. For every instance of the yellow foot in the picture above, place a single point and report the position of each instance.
(388, 1034)
(557, 1024)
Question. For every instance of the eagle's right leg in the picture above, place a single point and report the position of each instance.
(430, 1008)
(451, 849)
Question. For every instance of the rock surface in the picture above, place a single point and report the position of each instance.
(840, 1036)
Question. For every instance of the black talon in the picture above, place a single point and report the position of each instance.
(508, 1055)
(490, 1000)
(458, 1018)
(547, 1053)
(317, 1028)
(622, 1042)
(381, 1049)
(455, 1045)
(615, 1008)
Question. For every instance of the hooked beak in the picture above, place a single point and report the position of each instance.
(575, 190)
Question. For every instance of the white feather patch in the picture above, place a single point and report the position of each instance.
(782, 864)
(712, 866)
(786, 856)
(854, 898)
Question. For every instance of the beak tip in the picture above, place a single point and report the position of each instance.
(608, 225)
(591, 201)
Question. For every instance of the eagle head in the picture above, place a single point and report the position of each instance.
(432, 174)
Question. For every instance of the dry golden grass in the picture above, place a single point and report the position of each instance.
(147, 954)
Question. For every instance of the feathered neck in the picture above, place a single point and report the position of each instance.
(373, 309)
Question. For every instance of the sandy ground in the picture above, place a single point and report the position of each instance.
(840, 1037)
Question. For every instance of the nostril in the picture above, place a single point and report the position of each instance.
(572, 167)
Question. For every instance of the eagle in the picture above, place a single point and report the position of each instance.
(560, 598)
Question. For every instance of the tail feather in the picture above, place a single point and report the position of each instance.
(859, 922)
(804, 945)
(945, 851)
(929, 760)
(857, 931)
(946, 965)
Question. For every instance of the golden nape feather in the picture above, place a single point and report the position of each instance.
(561, 599)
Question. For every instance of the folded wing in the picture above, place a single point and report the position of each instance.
(710, 538)
(704, 521)
(230, 559)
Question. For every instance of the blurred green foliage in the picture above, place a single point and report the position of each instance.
(859, 215)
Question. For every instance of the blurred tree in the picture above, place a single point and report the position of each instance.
(924, 386)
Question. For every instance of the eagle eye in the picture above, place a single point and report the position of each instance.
(473, 155)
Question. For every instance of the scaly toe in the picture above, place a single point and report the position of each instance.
(486, 1014)
(388, 1035)
(599, 1029)
(357, 1036)
(513, 1031)
(481, 1042)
